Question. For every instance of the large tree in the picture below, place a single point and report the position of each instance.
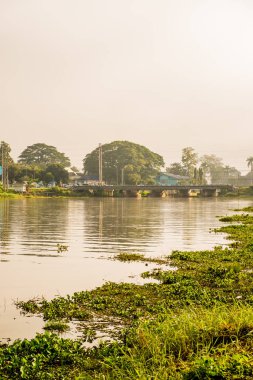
(176, 168)
(43, 155)
(5, 162)
(5, 151)
(55, 172)
(189, 160)
(124, 161)
(219, 173)
(23, 172)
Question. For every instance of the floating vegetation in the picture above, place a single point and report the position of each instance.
(128, 257)
(61, 248)
(56, 326)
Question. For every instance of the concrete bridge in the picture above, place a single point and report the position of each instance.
(154, 190)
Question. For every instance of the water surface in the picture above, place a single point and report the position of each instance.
(94, 231)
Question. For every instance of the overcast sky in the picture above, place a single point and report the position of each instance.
(166, 74)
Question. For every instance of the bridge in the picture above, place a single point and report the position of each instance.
(154, 190)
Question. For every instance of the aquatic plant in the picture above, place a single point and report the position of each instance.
(61, 247)
(57, 326)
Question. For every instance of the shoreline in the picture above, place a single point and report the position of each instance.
(58, 192)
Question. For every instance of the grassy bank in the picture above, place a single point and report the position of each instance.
(57, 191)
(195, 322)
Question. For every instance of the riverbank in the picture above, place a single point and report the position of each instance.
(68, 192)
(195, 322)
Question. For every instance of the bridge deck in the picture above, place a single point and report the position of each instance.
(151, 187)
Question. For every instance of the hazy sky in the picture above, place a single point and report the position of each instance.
(162, 73)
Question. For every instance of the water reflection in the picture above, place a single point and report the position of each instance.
(121, 223)
(107, 226)
(31, 226)
(4, 226)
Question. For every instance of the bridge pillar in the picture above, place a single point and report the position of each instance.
(193, 193)
(210, 192)
(158, 193)
(183, 193)
(109, 193)
(133, 193)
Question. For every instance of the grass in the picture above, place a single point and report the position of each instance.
(195, 322)
(128, 257)
(195, 343)
(56, 326)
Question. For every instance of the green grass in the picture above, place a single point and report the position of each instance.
(58, 326)
(193, 343)
(128, 257)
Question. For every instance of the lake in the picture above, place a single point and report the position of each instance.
(94, 230)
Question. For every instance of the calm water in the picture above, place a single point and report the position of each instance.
(94, 231)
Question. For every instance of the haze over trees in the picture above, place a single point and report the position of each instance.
(189, 160)
(43, 155)
(203, 169)
(250, 163)
(124, 162)
(37, 163)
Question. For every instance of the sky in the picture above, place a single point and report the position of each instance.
(167, 74)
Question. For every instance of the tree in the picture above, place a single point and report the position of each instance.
(124, 161)
(21, 172)
(5, 150)
(189, 160)
(212, 166)
(176, 168)
(250, 163)
(43, 155)
(219, 173)
(231, 174)
(5, 161)
(55, 172)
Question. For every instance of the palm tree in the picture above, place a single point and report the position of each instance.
(250, 163)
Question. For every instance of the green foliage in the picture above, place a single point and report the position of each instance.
(55, 191)
(5, 151)
(43, 155)
(189, 160)
(176, 168)
(196, 343)
(124, 161)
(250, 163)
(213, 165)
(56, 326)
(127, 257)
(24, 172)
(39, 358)
(55, 172)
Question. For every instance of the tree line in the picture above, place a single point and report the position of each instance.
(203, 169)
(122, 162)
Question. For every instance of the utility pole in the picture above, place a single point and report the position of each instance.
(4, 160)
(100, 164)
(122, 176)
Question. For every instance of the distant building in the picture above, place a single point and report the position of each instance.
(91, 180)
(169, 179)
(19, 187)
(75, 177)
